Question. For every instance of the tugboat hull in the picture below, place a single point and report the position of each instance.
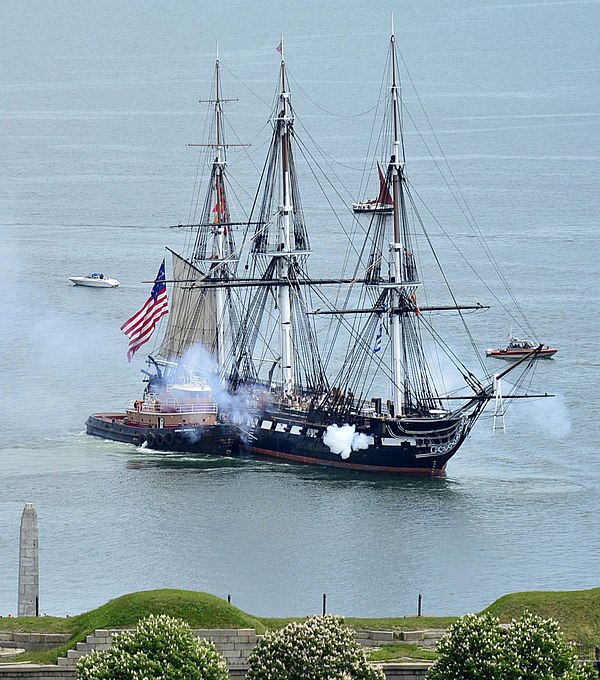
(216, 439)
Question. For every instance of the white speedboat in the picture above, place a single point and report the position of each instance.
(94, 281)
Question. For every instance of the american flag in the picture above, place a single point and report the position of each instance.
(142, 324)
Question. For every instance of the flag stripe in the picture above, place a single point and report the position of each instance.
(141, 325)
(145, 315)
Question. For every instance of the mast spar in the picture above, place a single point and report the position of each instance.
(283, 292)
(396, 165)
(220, 216)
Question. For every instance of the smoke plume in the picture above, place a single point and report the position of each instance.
(343, 440)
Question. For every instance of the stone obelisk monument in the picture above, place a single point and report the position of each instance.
(29, 564)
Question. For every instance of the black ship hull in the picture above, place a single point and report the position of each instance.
(415, 446)
(216, 439)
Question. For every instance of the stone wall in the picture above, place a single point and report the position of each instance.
(234, 644)
(32, 671)
(17, 640)
(396, 671)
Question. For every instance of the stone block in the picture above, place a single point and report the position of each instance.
(412, 635)
(73, 654)
(212, 632)
(62, 661)
(22, 637)
(246, 638)
(244, 645)
(56, 638)
(382, 635)
(232, 654)
(428, 643)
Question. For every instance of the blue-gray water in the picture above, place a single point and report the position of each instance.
(97, 104)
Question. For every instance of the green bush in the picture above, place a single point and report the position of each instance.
(535, 649)
(162, 648)
(320, 648)
(470, 650)
(476, 647)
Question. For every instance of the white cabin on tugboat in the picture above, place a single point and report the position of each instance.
(177, 405)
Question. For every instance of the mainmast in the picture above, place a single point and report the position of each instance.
(286, 120)
(396, 165)
(279, 251)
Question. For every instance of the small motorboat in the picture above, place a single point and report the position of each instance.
(94, 281)
(517, 349)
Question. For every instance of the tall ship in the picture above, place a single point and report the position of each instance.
(356, 392)
(342, 371)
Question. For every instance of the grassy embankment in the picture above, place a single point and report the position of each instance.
(578, 613)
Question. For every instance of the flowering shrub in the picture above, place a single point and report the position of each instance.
(476, 647)
(162, 648)
(470, 650)
(320, 648)
(535, 649)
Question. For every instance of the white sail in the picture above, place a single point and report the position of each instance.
(193, 316)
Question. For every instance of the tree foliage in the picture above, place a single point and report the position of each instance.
(477, 647)
(162, 648)
(320, 648)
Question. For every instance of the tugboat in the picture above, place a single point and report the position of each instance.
(517, 349)
(171, 416)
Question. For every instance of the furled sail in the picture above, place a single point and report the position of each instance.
(193, 315)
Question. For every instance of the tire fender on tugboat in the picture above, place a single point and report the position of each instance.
(151, 440)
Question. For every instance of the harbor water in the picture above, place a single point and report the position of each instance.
(98, 102)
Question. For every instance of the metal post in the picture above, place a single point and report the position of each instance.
(229, 599)
(324, 604)
(419, 605)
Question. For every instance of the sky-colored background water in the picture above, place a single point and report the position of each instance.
(97, 104)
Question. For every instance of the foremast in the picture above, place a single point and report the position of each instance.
(220, 210)
(198, 316)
